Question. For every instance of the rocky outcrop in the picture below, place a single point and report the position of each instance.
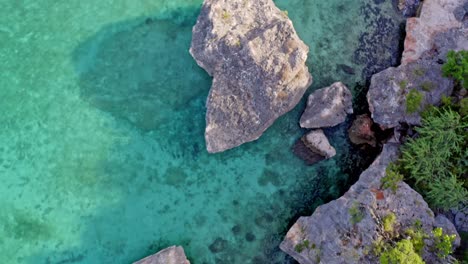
(437, 16)
(327, 107)
(398, 95)
(314, 147)
(345, 230)
(170, 255)
(258, 66)
(361, 131)
(408, 8)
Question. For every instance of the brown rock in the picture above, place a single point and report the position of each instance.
(436, 16)
(361, 132)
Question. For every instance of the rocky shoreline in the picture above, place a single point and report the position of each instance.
(271, 58)
(345, 230)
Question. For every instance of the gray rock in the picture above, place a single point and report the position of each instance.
(327, 107)
(258, 66)
(461, 219)
(331, 236)
(389, 91)
(318, 142)
(170, 255)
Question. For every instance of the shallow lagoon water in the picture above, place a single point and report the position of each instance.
(102, 155)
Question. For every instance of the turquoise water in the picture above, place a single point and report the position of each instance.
(102, 156)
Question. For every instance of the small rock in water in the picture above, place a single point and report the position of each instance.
(170, 255)
(314, 147)
(327, 107)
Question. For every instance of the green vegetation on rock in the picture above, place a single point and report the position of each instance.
(356, 214)
(457, 67)
(443, 242)
(435, 162)
(392, 178)
(402, 252)
(388, 222)
(413, 101)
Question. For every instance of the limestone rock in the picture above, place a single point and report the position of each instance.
(327, 107)
(314, 147)
(258, 66)
(389, 90)
(331, 235)
(436, 16)
(361, 132)
(170, 255)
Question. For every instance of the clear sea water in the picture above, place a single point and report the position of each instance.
(102, 155)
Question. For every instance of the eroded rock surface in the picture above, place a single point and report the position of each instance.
(436, 16)
(344, 230)
(327, 107)
(258, 66)
(170, 255)
(390, 90)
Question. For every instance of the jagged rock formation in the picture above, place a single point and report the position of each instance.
(327, 107)
(344, 230)
(421, 83)
(436, 16)
(398, 95)
(258, 66)
(170, 255)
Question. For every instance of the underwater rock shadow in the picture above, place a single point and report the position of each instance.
(141, 71)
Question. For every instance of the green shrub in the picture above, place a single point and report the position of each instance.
(392, 178)
(463, 106)
(427, 86)
(446, 192)
(443, 242)
(402, 252)
(413, 101)
(304, 245)
(356, 214)
(403, 84)
(416, 236)
(435, 160)
(388, 222)
(457, 67)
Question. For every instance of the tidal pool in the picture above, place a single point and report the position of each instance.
(102, 155)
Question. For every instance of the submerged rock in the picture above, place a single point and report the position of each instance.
(314, 147)
(437, 16)
(361, 132)
(345, 230)
(398, 95)
(258, 66)
(170, 255)
(327, 107)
